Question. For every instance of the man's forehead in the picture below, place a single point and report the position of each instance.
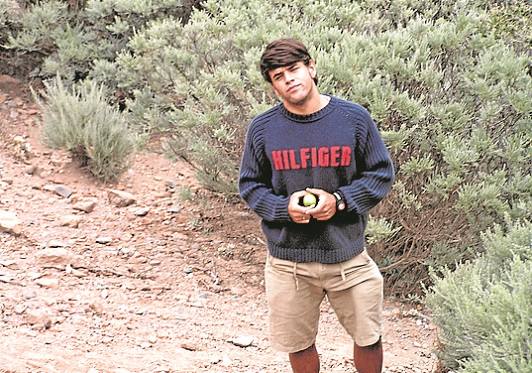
(282, 68)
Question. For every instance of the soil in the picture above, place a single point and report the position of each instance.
(179, 289)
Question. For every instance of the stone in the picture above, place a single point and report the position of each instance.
(6, 279)
(143, 211)
(104, 240)
(120, 198)
(32, 170)
(57, 257)
(39, 317)
(8, 263)
(55, 243)
(58, 189)
(174, 209)
(10, 223)
(72, 221)
(242, 341)
(86, 205)
(50, 283)
(20, 308)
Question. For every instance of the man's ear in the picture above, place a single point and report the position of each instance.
(312, 68)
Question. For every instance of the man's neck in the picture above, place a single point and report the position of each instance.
(315, 103)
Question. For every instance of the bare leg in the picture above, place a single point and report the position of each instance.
(305, 361)
(368, 359)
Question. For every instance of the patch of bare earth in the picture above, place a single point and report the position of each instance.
(169, 283)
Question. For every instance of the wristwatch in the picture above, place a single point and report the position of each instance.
(340, 203)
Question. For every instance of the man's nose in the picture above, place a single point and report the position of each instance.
(288, 77)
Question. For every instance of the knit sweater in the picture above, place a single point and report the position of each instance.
(337, 148)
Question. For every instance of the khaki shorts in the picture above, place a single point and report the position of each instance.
(295, 291)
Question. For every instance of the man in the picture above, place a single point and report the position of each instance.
(319, 144)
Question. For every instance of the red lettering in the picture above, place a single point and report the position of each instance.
(304, 156)
(323, 156)
(346, 156)
(277, 160)
(314, 156)
(293, 163)
(286, 161)
(335, 156)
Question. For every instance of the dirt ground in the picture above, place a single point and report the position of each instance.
(170, 283)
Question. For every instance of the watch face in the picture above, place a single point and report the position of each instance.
(341, 206)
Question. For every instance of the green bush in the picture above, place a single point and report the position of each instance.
(484, 308)
(447, 82)
(81, 121)
(450, 94)
(71, 38)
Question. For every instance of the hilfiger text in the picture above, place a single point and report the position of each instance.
(324, 156)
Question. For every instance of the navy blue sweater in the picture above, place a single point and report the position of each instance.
(335, 149)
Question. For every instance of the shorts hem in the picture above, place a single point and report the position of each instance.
(289, 350)
(363, 342)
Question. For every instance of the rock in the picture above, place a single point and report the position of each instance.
(57, 257)
(242, 341)
(50, 283)
(10, 223)
(70, 221)
(20, 308)
(32, 170)
(29, 293)
(39, 317)
(86, 205)
(226, 361)
(104, 240)
(174, 209)
(55, 243)
(143, 211)
(120, 198)
(96, 307)
(6, 279)
(58, 189)
(152, 339)
(8, 263)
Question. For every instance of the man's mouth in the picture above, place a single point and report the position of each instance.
(292, 88)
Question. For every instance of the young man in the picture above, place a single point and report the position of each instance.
(319, 144)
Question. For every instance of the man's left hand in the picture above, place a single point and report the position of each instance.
(326, 207)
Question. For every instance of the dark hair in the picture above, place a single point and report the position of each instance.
(283, 52)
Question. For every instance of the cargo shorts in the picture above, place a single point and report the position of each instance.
(294, 292)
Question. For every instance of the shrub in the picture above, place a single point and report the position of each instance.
(447, 82)
(71, 38)
(81, 121)
(484, 308)
(451, 96)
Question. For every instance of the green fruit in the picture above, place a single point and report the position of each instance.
(309, 200)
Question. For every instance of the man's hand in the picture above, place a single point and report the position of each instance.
(298, 213)
(326, 207)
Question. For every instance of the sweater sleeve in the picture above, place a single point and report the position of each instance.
(377, 173)
(255, 180)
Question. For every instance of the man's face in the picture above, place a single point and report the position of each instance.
(294, 83)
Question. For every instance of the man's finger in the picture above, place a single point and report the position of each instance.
(314, 191)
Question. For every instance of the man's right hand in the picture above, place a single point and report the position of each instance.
(298, 213)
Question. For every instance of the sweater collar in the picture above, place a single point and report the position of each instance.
(307, 118)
